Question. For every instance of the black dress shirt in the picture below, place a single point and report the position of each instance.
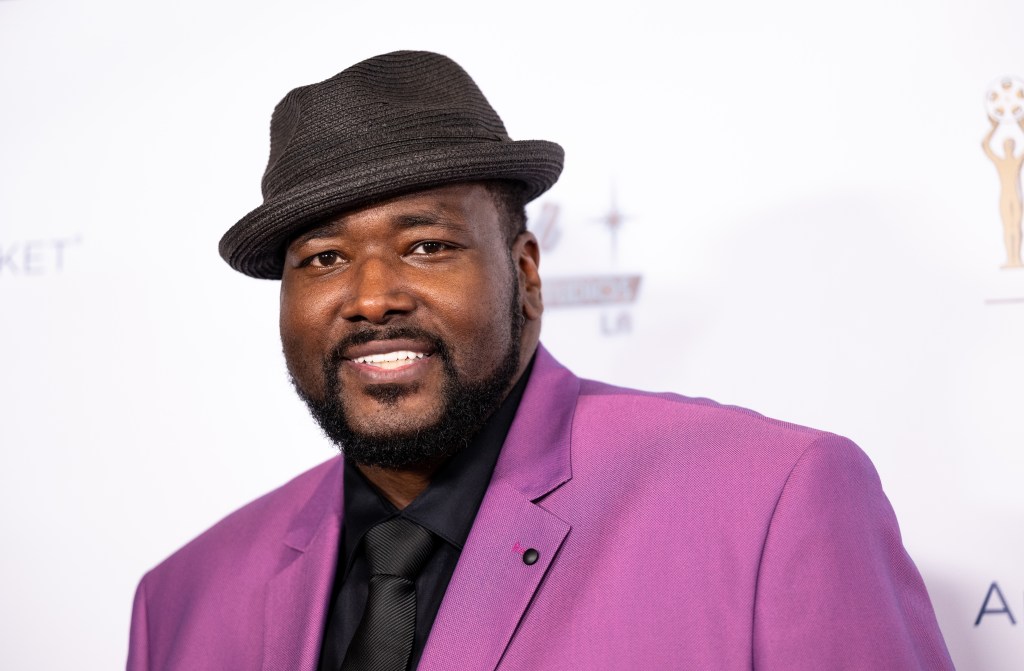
(446, 508)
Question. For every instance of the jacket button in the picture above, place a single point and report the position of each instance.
(530, 557)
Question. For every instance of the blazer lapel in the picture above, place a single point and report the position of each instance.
(493, 585)
(298, 596)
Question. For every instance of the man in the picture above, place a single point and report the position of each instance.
(493, 511)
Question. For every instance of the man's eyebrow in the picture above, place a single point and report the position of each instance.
(317, 232)
(417, 220)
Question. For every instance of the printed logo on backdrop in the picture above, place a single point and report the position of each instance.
(996, 610)
(611, 293)
(32, 258)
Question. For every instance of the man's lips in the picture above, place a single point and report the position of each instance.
(390, 360)
(386, 355)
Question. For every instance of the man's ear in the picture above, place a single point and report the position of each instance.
(526, 254)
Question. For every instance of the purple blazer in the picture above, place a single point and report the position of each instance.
(673, 533)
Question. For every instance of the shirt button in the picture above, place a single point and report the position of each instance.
(530, 557)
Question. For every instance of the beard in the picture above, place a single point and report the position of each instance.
(465, 405)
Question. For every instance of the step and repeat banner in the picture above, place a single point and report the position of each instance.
(809, 209)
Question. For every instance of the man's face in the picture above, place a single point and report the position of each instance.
(401, 322)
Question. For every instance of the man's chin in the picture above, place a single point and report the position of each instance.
(390, 395)
(397, 450)
(384, 432)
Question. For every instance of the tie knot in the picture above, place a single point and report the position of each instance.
(398, 547)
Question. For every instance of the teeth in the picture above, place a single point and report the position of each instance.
(383, 360)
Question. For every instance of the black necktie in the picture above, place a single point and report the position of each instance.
(396, 551)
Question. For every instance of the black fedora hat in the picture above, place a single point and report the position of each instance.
(391, 124)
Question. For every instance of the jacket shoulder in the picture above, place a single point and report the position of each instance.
(242, 537)
(697, 422)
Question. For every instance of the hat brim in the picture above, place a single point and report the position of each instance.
(256, 244)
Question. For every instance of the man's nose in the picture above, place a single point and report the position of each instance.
(377, 292)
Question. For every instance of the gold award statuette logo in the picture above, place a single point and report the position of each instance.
(1004, 145)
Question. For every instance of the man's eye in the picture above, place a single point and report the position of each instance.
(429, 247)
(324, 259)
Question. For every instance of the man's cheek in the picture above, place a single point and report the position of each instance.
(306, 369)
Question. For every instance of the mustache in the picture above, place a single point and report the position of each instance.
(372, 333)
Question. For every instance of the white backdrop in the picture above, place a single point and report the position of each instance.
(803, 191)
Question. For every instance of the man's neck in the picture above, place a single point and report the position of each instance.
(399, 487)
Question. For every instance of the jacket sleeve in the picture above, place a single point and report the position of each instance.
(836, 588)
(138, 640)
